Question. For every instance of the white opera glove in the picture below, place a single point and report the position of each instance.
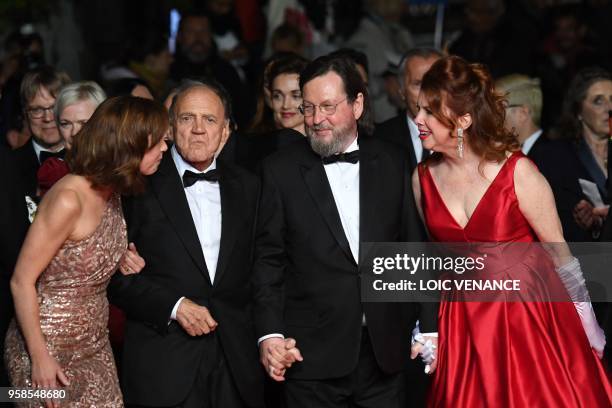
(573, 280)
(595, 334)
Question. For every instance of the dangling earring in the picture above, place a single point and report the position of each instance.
(460, 142)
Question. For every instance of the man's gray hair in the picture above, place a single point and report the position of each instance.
(77, 92)
(423, 52)
(189, 84)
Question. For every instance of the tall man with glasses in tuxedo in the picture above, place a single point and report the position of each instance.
(189, 338)
(321, 198)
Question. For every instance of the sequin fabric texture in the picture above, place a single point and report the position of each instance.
(74, 316)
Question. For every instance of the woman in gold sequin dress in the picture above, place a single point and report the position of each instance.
(60, 337)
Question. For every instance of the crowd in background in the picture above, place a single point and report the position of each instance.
(232, 40)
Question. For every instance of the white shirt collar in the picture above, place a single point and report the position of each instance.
(530, 141)
(182, 165)
(353, 146)
(414, 138)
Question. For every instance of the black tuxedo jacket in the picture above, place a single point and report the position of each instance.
(560, 163)
(396, 130)
(538, 151)
(306, 280)
(27, 164)
(14, 224)
(160, 360)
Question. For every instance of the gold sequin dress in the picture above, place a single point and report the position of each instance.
(74, 315)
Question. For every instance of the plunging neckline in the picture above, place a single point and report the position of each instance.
(450, 214)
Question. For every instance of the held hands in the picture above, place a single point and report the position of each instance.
(131, 262)
(196, 320)
(427, 348)
(589, 217)
(47, 374)
(277, 354)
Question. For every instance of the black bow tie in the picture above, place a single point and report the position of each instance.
(44, 155)
(351, 157)
(190, 178)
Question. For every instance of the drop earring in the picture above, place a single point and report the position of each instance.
(460, 142)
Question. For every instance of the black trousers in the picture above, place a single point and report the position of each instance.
(214, 386)
(366, 387)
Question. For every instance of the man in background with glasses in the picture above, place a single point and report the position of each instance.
(320, 198)
(38, 90)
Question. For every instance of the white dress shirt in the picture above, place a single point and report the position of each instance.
(204, 199)
(414, 138)
(530, 141)
(343, 179)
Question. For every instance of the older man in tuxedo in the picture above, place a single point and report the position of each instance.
(189, 338)
(401, 129)
(320, 199)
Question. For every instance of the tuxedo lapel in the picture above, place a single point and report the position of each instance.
(167, 186)
(318, 186)
(28, 166)
(231, 193)
(370, 193)
(404, 131)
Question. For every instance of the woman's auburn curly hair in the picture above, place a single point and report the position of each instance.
(110, 146)
(468, 88)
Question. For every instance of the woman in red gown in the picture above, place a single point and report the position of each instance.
(479, 187)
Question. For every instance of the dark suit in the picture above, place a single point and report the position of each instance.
(396, 130)
(604, 310)
(160, 360)
(13, 227)
(307, 281)
(28, 165)
(538, 151)
(562, 163)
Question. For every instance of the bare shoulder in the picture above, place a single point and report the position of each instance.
(529, 183)
(64, 200)
(526, 174)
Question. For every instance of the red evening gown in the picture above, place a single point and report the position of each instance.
(507, 354)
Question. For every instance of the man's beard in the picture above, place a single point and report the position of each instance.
(340, 137)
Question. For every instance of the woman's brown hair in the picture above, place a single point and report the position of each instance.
(110, 146)
(468, 88)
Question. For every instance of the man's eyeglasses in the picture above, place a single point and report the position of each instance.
(308, 109)
(38, 112)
